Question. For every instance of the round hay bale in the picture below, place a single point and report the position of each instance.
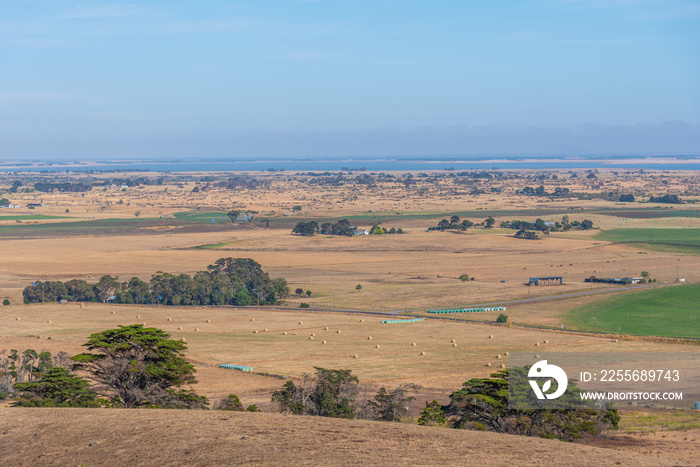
(490, 336)
(284, 333)
(311, 338)
(113, 312)
(422, 353)
(488, 364)
(355, 356)
(546, 341)
(301, 322)
(377, 346)
(323, 342)
(326, 328)
(615, 340)
(503, 365)
(454, 344)
(507, 354)
(183, 339)
(362, 321)
(498, 356)
(265, 330)
(252, 319)
(537, 356)
(81, 306)
(169, 319)
(208, 321)
(313, 334)
(537, 344)
(369, 338)
(180, 328)
(17, 319)
(49, 321)
(143, 324)
(255, 332)
(138, 316)
(338, 331)
(413, 344)
(197, 330)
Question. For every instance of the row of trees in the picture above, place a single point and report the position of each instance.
(229, 281)
(455, 223)
(542, 226)
(668, 199)
(74, 187)
(481, 404)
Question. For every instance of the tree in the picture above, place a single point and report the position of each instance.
(627, 198)
(137, 213)
(358, 287)
(231, 404)
(306, 229)
(6, 302)
(233, 214)
(488, 223)
(390, 406)
(57, 388)
(502, 318)
(586, 224)
(464, 277)
(329, 393)
(432, 415)
(4, 202)
(140, 367)
(308, 293)
(482, 404)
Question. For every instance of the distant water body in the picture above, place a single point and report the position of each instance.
(630, 163)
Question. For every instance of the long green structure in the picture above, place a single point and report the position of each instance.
(468, 310)
(397, 321)
(229, 366)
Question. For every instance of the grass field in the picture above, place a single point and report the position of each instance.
(30, 217)
(668, 311)
(667, 240)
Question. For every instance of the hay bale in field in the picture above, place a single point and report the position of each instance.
(143, 324)
(369, 338)
(454, 344)
(323, 342)
(301, 322)
(255, 332)
(537, 344)
(180, 328)
(362, 321)
(377, 346)
(265, 330)
(252, 319)
(338, 331)
(138, 316)
(183, 339)
(507, 354)
(17, 319)
(422, 353)
(503, 365)
(313, 334)
(413, 344)
(311, 338)
(169, 319)
(208, 321)
(546, 341)
(488, 364)
(490, 336)
(326, 328)
(284, 333)
(113, 312)
(355, 356)
(49, 321)
(498, 356)
(197, 330)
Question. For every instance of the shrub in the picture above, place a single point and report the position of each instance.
(432, 415)
(304, 305)
(6, 302)
(502, 318)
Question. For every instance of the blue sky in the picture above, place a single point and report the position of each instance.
(86, 79)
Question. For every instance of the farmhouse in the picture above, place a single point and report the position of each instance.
(549, 280)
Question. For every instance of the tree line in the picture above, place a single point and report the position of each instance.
(229, 281)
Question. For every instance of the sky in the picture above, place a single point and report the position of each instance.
(295, 78)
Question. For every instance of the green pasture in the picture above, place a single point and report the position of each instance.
(664, 311)
(671, 240)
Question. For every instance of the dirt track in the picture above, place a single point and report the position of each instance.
(31, 437)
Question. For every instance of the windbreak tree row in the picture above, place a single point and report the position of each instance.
(229, 281)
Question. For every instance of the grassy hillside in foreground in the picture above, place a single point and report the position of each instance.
(667, 311)
(198, 437)
(671, 240)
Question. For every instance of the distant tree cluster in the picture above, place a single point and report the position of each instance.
(376, 229)
(229, 281)
(546, 227)
(240, 181)
(76, 187)
(667, 199)
(629, 198)
(541, 191)
(455, 223)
